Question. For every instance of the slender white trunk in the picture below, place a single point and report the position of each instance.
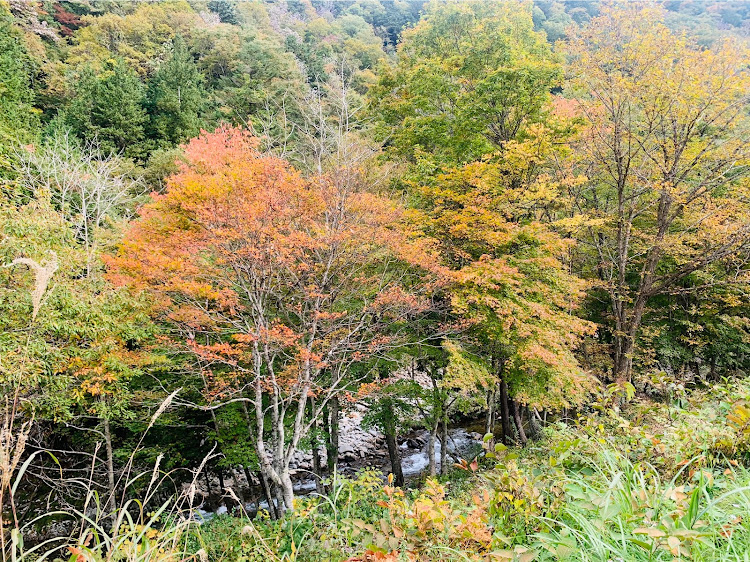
(431, 447)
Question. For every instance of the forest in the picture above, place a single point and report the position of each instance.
(374, 280)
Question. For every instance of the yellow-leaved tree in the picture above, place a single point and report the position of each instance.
(666, 149)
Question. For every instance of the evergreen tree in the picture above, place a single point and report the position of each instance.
(109, 107)
(226, 11)
(17, 116)
(176, 97)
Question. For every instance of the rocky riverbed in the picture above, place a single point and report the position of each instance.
(361, 448)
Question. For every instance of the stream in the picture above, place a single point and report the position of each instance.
(462, 443)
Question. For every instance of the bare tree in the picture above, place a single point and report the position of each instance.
(86, 186)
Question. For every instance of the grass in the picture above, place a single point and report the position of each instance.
(625, 511)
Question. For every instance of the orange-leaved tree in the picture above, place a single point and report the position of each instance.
(275, 284)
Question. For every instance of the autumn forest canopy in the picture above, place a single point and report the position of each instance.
(359, 280)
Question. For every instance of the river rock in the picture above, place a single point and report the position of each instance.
(415, 443)
(356, 443)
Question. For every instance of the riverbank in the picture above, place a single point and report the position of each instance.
(373, 456)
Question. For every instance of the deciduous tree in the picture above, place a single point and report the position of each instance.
(508, 273)
(275, 283)
(70, 344)
(470, 76)
(666, 153)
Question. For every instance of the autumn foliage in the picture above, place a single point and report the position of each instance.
(272, 281)
(232, 216)
(252, 248)
(507, 269)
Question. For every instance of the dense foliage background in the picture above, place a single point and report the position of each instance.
(223, 224)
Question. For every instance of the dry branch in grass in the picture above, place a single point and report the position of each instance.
(43, 273)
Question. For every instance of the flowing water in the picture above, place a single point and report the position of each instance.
(462, 443)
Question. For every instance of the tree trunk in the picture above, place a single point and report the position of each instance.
(516, 411)
(268, 495)
(444, 444)
(318, 470)
(280, 507)
(276, 452)
(628, 325)
(239, 488)
(505, 411)
(623, 365)
(333, 435)
(208, 482)
(326, 428)
(287, 490)
(394, 454)
(223, 490)
(489, 424)
(222, 487)
(431, 448)
(317, 445)
(262, 477)
(248, 478)
(110, 503)
(696, 370)
(535, 430)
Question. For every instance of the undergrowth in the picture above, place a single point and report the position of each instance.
(648, 482)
